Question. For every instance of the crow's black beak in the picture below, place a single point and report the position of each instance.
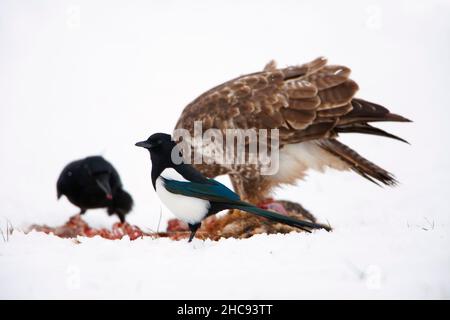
(103, 183)
(145, 144)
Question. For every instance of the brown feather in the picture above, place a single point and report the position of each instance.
(315, 131)
(304, 69)
(300, 89)
(271, 66)
(298, 119)
(358, 163)
(305, 104)
(337, 96)
(329, 76)
(335, 112)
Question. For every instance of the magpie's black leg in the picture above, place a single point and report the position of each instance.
(193, 228)
(83, 211)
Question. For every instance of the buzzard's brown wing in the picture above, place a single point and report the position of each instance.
(305, 102)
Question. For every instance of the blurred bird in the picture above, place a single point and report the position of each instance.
(191, 196)
(94, 183)
(310, 105)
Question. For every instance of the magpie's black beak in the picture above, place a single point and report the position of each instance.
(144, 144)
(59, 195)
(103, 183)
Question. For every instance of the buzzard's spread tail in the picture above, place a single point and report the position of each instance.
(357, 121)
(357, 163)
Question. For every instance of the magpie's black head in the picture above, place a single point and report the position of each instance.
(160, 145)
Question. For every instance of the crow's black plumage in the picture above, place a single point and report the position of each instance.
(191, 196)
(93, 182)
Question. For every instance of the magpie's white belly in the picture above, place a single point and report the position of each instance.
(188, 209)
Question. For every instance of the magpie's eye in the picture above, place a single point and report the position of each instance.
(69, 173)
(157, 143)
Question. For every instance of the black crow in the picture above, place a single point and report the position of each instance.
(94, 183)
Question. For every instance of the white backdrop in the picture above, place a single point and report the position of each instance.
(93, 77)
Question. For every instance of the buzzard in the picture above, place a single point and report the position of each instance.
(310, 104)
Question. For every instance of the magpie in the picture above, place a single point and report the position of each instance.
(93, 182)
(191, 196)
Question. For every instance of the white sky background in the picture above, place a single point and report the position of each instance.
(93, 77)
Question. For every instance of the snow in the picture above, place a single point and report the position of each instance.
(324, 265)
(93, 77)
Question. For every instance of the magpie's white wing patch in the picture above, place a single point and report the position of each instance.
(188, 209)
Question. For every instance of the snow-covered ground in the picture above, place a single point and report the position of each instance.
(93, 77)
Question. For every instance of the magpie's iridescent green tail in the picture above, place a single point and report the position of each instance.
(244, 206)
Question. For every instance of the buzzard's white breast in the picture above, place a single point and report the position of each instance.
(188, 209)
(296, 159)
